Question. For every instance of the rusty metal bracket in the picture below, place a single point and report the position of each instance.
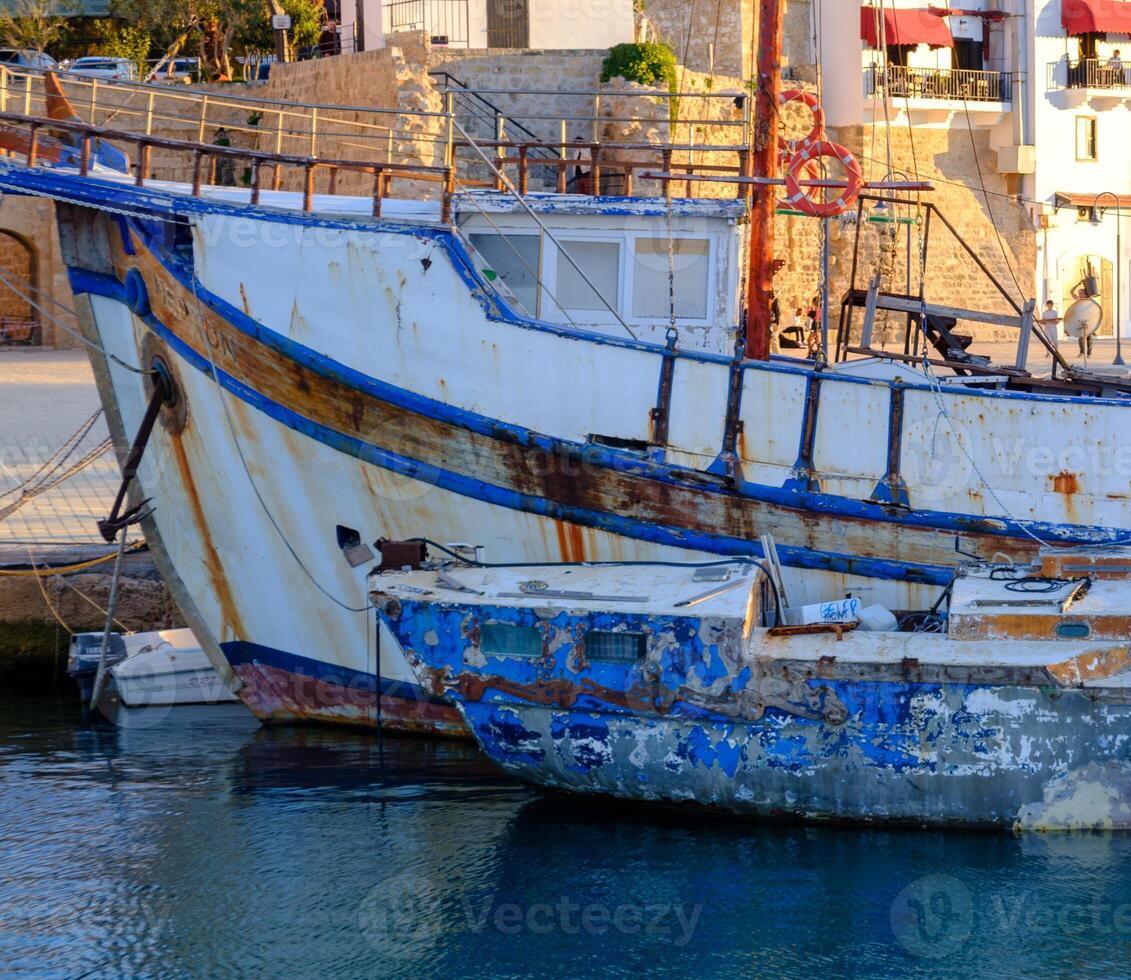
(109, 527)
(661, 414)
(727, 465)
(891, 489)
(803, 476)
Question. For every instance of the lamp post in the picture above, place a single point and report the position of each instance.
(1118, 273)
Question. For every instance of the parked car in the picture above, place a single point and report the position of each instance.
(16, 58)
(186, 70)
(119, 69)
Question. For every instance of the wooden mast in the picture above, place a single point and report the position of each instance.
(764, 159)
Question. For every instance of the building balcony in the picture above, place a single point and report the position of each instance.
(935, 94)
(446, 22)
(1094, 80)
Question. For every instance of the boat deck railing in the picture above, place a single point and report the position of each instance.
(181, 134)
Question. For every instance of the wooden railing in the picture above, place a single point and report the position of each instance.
(317, 144)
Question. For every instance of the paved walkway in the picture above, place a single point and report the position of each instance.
(45, 396)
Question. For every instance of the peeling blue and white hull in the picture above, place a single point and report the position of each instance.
(619, 681)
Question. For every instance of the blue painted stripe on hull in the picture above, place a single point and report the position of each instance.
(477, 489)
(786, 497)
(817, 503)
(244, 652)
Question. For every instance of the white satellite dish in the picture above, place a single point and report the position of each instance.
(1083, 318)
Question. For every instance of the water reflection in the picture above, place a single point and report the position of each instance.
(214, 847)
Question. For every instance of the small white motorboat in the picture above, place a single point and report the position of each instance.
(161, 670)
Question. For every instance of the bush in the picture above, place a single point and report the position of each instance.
(647, 63)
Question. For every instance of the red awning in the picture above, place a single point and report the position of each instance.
(992, 15)
(1096, 16)
(1072, 200)
(906, 27)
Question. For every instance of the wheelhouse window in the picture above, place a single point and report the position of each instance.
(515, 259)
(690, 267)
(615, 648)
(599, 263)
(1086, 138)
(509, 640)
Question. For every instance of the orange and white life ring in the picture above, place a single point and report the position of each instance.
(817, 133)
(787, 149)
(796, 197)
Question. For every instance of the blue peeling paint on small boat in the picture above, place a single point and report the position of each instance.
(652, 683)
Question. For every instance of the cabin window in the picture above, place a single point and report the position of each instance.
(1086, 143)
(691, 269)
(600, 262)
(515, 259)
(508, 640)
(615, 648)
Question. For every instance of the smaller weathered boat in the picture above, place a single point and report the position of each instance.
(1008, 703)
(148, 674)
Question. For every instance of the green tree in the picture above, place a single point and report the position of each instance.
(307, 18)
(33, 25)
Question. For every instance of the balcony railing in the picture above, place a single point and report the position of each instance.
(1098, 73)
(445, 21)
(959, 84)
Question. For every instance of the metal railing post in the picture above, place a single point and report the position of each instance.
(500, 150)
(27, 95)
(450, 149)
(596, 117)
(4, 90)
(563, 180)
(149, 115)
(203, 119)
(93, 102)
(279, 131)
(314, 132)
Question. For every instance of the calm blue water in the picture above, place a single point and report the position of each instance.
(208, 848)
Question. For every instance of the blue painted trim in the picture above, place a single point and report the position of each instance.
(597, 455)
(514, 500)
(241, 652)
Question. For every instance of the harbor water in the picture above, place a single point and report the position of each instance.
(210, 846)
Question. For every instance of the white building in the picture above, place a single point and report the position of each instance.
(546, 24)
(1044, 77)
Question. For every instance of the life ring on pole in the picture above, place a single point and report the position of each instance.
(787, 150)
(798, 200)
(809, 100)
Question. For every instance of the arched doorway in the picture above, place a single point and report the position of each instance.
(1074, 274)
(19, 321)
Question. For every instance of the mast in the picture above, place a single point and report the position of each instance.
(760, 281)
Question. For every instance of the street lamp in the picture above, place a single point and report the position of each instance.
(1118, 272)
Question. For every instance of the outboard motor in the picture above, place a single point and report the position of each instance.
(83, 656)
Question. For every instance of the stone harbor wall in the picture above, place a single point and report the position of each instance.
(33, 642)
